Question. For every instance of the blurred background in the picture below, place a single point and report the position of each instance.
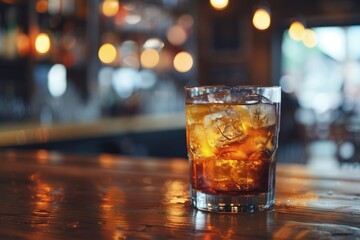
(107, 76)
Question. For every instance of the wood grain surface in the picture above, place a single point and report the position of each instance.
(46, 195)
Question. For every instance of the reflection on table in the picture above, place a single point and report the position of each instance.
(47, 195)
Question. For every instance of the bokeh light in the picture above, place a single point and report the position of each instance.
(219, 4)
(261, 19)
(309, 38)
(176, 35)
(42, 156)
(288, 84)
(130, 60)
(183, 62)
(57, 80)
(129, 54)
(149, 58)
(296, 30)
(132, 19)
(42, 43)
(147, 79)
(107, 53)
(110, 7)
(186, 21)
(155, 43)
(124, 81)
(23, 44)
(42, 6)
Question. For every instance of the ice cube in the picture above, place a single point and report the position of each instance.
(248, 175)
(260, 110)
(249, 98)
(235, 175)
(262, 115)
(223, 127)
(202, 98)
(198, 148)
(223, 96)
(217, 174)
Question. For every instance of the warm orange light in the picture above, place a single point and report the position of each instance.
(106, 160)
(186, 21)
(23, 44)
(42, 43)
(296, 30)
(309, 38)
(110, 7)
(176, 35)
(262, 19)
(42, 6)
(149, 58)
(219, 4)
(42, 156)
(183, 62)
(107, 53)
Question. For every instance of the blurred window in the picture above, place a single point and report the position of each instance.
(324, 75)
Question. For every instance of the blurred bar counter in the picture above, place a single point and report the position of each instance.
(159, 135)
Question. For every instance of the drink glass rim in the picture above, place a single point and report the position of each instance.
(273, 93)
(204, 87)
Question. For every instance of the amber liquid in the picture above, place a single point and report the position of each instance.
(230, 147)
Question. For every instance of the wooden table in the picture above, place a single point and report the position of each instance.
(47, 195)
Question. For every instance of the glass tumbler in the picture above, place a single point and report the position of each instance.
(232, 137)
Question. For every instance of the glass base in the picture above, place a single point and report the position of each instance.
(232, 204)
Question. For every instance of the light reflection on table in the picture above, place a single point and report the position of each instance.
(49, 195)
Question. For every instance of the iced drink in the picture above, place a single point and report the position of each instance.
(232, 137)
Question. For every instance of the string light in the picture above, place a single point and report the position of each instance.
(176, 35)
(110, 7)
(296, 30)
(261, 19)
(183, 62)
(42, 43)
(41, 6)
(149, 58)
(219, 4)
(107, 53)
